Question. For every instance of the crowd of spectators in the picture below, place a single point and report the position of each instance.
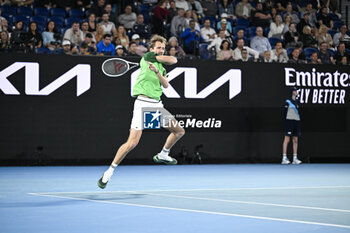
(285, 31)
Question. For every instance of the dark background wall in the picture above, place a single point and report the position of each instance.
(63, 128)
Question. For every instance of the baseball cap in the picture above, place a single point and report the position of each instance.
(223, 15)
(65, 42)
(223, 21)
(135, 37)
(118, 47)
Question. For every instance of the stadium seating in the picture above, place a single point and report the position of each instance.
(40, 20)
(273, 41)
(9, 10)
(242, 22)
(41, 11)
(76, 13)
(24, 11)
(309, 51)
(58, 12)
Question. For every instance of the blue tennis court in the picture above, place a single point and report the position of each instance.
(189, 198)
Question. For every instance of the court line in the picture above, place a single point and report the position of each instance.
(198, 211)
(247, 202)
(190, 190)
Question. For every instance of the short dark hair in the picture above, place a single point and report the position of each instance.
(106, 35)
(89, 35)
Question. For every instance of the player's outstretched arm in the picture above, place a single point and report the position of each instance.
(167, 60)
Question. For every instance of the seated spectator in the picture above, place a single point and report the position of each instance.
(276, 28)
(172, 52)
(341, 36)
(323, 36)
(121, 35)
(279, 54)
(99, 34)
(291, 37)
(128, 18)
(4, 26)
(112, 17)
(245, 56)
(250, 52)
(105, 47)
(181, 4)
(325, 19)
(66, 5)
(325, 55)
(287, 22)
(223, 19)
(18, 36)
(178, 23)
(34, 39)
(192, 38)
(84, 49)
(225, 53)
(98, 8)
(267, 57)
(140, 47)
(67, 48)
(259, 42)
(142, 29)
(226, 6)
(281, 5)
(341, 52)
(108, 26)
(120, 51)
(303, 22)
(92, 23)
(132, 49)
(194, 5)
(88, 40)
(216, 43)
(210, 8)
(289, 10)
(243, 9)
(273, 13)
(172, 10)
(74, 34)
(223, 27)
(4, 42)
(312, 15)
(314, 59)
(51, 38)
(82, 4)
(85, 30)
(260, 18)
(240, 35)
(295, 57)
(172, 42)
(307, 39)
(208, 34)
(188, 18)
(160, 17)
(344, 61)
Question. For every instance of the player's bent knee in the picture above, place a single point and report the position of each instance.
(180, 133)
(131, 144)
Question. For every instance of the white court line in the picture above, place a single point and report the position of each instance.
(199, 211)
(247, 202)
(190, 190)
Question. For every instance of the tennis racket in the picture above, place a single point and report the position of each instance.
(115, 67)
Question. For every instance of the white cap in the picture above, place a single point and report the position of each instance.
(224, 15)
(65, 42)
(135, 37)
(118, 47)
(223, 21)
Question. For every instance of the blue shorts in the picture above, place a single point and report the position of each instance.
(292, 128)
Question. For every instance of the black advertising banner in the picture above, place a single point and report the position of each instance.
(64, 108)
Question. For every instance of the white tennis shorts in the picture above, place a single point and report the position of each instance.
(140, 104)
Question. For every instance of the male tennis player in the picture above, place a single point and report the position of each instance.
(148, 89)
(292, 126)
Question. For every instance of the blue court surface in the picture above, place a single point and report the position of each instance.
(260, 198)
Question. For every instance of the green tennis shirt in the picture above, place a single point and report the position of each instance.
(147, 83)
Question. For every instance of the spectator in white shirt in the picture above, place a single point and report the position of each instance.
(216, 43)
(108, 26)
(128, 18)
(181, 4)
(276, 28)
(240, 46)
(207, 32)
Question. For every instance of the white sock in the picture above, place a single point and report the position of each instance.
(284, 156)
(163, 153)
(107, 175)
(295, 156)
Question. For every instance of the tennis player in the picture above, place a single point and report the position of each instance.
(148, 89)
(292, 127)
